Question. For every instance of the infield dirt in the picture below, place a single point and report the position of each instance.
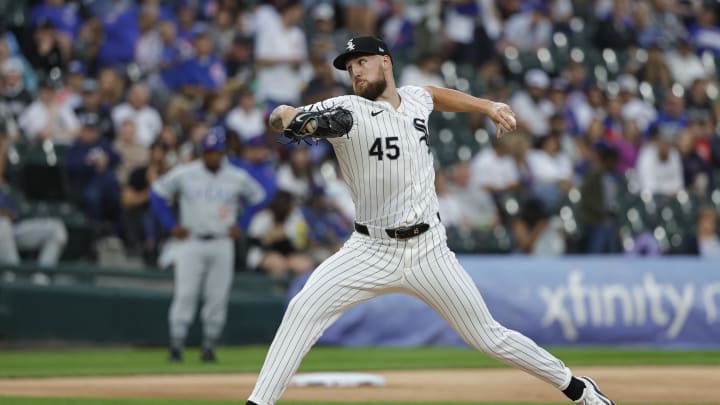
(657, 385)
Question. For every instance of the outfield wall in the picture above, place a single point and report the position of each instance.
(671, 302)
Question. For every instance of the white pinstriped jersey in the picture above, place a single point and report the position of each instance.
(386, 158)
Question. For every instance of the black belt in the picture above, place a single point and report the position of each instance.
(208, 236)
(403, 232)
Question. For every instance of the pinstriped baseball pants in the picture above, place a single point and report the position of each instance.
(424, 267)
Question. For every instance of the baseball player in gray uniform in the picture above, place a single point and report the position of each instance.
(209, 191)
(399, 243)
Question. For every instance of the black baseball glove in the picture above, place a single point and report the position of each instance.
(329, 123)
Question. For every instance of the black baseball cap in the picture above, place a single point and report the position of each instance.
(361, 46)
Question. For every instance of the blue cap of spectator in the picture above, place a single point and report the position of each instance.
(258, 140)
(199, 30)
(214, 140)
(76, 67)
(538, 5)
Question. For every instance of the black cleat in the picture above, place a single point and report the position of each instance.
(208, 356)
(175, 355)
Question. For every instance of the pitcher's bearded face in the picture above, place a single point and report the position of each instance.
(368, 79)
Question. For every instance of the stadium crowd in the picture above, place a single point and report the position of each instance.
(618, 148)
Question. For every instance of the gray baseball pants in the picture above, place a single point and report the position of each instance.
(201, 266)
(48, 235)
(424, 267)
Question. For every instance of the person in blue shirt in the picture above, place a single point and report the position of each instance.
(204, 72)
(255, 159)
(91, 163)
(63, 16)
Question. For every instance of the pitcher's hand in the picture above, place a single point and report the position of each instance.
(503, 117)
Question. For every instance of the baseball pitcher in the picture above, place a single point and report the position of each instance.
(381, 140)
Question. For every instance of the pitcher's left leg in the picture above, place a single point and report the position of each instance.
(440, 281)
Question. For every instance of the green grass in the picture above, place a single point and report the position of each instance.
(90, 401)
(47, 363)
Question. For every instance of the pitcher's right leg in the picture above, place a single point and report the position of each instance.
(359, 271)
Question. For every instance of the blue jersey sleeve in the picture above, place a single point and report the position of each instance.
(163, 211)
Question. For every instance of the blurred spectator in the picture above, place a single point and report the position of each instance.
(666, 16)
(280, 53)
(397, 30)
(468, 42)
(323, 84)
(673, 116)
(278, 236)
(187, 22)
(570, 146)
(296, 176)
(45, 52)
(647, 30)
(598, 210)
(48, 118)
(132, 153)
(477, 208)
(9, 52)
(246, 118)
(551, 170)
(111, 87)
(149, 47)
(495, 169)
(449, 203)
(63, 16)
(215, 108)
(360, 15)
(70, 93)
(424, 72)
(529, 30)
(223, 31)
(685, 66)
(697, 172)
(326, 39)
(328, 228)
(536, 231)
(659, 165)
(239, 62)
(255, 159)
(46, 235)
(531, 106)
(204, 72)
(147, 120)
(92, 113)
(706, 241)
(697, 101)
(616, 31)
(86, 45)
(121, 31)
(656, 71)
(91, 164)
(704, 32)
(628, 146)
(15, 98)
(633, 108)
(141, 228)
(189, 149)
